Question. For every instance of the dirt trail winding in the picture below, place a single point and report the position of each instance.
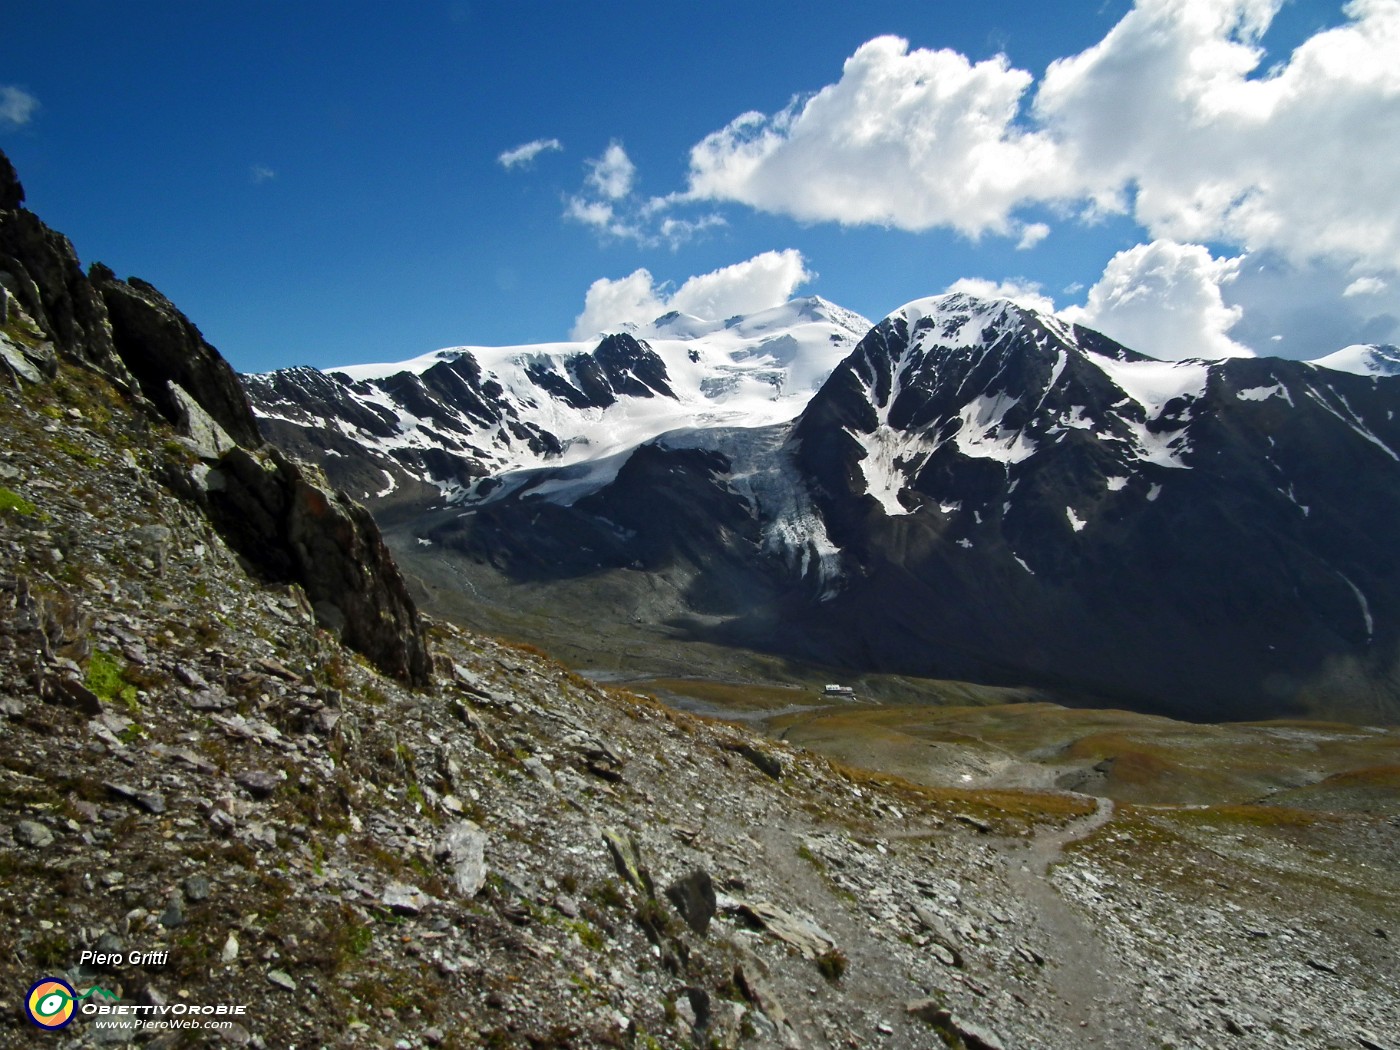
(1093, 995)
(1046, 848)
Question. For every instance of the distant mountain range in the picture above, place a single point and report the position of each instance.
(968, 489)
(460, 419)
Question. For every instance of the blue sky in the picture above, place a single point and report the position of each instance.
(322, 183)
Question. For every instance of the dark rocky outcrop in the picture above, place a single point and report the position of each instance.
(11, 190)
(466, 419)
(40, 270)
(694, 897)
(622, 366)
(160, 346)
(293, 531)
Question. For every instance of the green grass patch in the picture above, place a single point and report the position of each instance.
(734, 696)
(14, 503)
(1372, 777)
(1261, 817)
(106, 678)
(179, 454)
(586, 933)
(25, 334)
(75, 451)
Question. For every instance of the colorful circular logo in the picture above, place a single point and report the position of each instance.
(50, 1003)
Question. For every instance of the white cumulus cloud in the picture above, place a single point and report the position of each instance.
(1031, 235)
(1164, 299)
(910, 139)
(1177, 117)
(1363, 286)
(609, 302)
(17, 106)
(1171, 117)
(523, 156)
(768, 279)
(600, 215)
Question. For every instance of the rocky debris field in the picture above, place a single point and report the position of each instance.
(510, 857)
(1255, 926)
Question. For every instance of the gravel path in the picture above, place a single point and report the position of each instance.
(1092, 992)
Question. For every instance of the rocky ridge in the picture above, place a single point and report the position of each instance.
(457, 422)
(289, 527)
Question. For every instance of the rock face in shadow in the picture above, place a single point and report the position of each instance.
(40, 271)
(287, 527)
(291, 530)
(161, 346)
(11, 191)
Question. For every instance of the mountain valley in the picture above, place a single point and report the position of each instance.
(973, 491)
(232, 744)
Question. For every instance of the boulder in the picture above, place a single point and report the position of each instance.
(627, 858)
(206, 437)
(196, 888)
(282, 980)
(694, 897)
(463, 849)
(259, 783)
(32, 834)
(151, 801)
(153, 542)
(404, 899)
(794, 930)
(766, 763)
(971, 1034)
(33, 364)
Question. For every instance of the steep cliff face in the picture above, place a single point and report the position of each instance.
(163, 349)
(293, 531)
(288, 527)
(58, 308)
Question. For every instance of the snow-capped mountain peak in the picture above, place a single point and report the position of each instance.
(463, 412)
(953, 379)
(1363, 359)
